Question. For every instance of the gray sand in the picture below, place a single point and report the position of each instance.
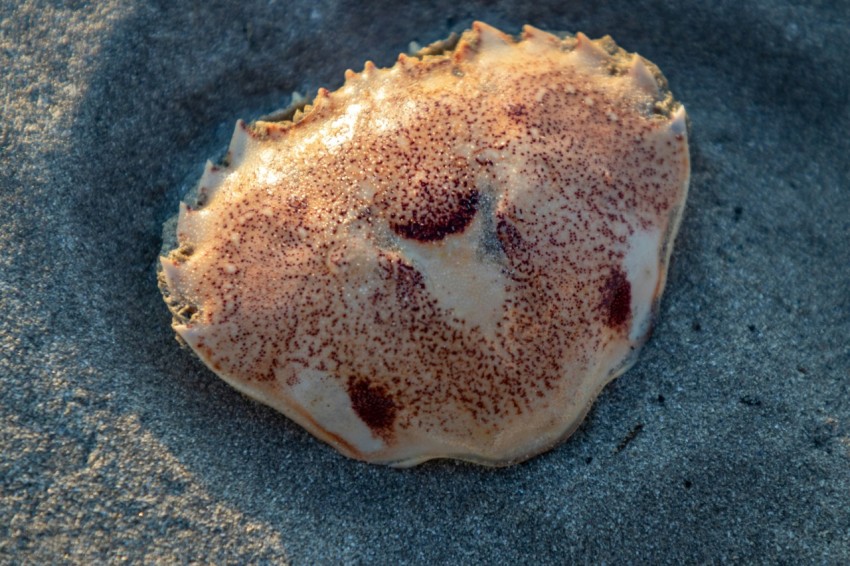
(728, 441)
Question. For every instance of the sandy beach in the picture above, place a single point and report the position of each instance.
(728, 441)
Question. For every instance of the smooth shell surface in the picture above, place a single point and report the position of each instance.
(446, 258)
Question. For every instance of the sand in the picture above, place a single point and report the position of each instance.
(728, 441)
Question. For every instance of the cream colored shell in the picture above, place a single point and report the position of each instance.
(448, 258)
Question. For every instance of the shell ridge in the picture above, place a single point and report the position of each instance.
(642, 78)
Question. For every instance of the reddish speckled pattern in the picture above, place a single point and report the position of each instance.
(443, 254)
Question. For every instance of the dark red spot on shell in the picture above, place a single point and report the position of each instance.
(509, 237)
(436, 220)
(372, 404)
(616, 298)
(516, 248)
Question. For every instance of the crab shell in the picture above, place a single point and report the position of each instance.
(448, 258)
